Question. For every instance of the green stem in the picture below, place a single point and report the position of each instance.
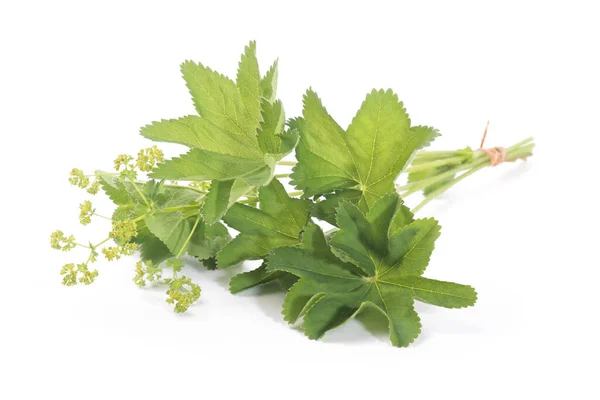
(101, 216)
(288, 163)
(139, 192)
(434, 155)
(414, 187)
(141, 217)
(434, 164)
(102, 242)
(178, 208)
(185, 187)
(447, 186)
(189, 237)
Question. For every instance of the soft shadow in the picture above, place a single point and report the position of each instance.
(509, 173)
(350, 332)
(516, 171)
(220, 276)
(269, 299)
(367, 326)
(374, 322)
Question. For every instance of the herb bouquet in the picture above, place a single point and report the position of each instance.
(375, 255)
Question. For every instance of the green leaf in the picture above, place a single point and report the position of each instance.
(200, 165)
(219, 100)
(153, 249)
(367, 157)
(268, 83)
(248, 82)
(177, 230)
(173, 229)
(297, 298)
(325, 208)
(271, 127)
(222, 195)
(376, 260)
(208, 240)
(114, 189)
(238, 133)
(257, 277)
(278, 222)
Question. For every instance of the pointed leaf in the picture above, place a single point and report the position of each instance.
(297, 299)
(268, 83)
(153, 249)
(271, 127)
(200, 165)
(389, 252)
(331, 311)
(238, 133)
(439, 293)
(405, 324)
(172, 229)
(218, 100)
(278, 222)
(410, 249)
(248, 82)
(368, 156)
(257, 277)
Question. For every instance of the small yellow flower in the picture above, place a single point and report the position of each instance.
(70, 275)
(111, 253)
(145, 270)
(86, 276)
(123, 231)
(128, 249)
(123, 161)
(94, 187)
(80, 274)
(183, 293)
(85, 216)
(148, 158)
(77, 178)
(59, 241)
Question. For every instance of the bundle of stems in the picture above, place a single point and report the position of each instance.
(434, 172)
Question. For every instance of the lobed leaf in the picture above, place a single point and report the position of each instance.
(367, 157)
(239, 132)
(278, 222)
(388, 251)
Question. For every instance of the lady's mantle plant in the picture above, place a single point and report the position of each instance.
(374, 257)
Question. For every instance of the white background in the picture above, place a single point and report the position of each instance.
(78, 79)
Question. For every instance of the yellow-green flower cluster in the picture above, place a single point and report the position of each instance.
(123, 231)
(115, 252)
(80, 273)
(123, 161)
(128, 249)
(125, 166)
(182, 293)
(111, 253)
(86, 212)
(146, 161)
(59, 241)
(146, 271)
(79, 179)
(148, 158)
(94, 187)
